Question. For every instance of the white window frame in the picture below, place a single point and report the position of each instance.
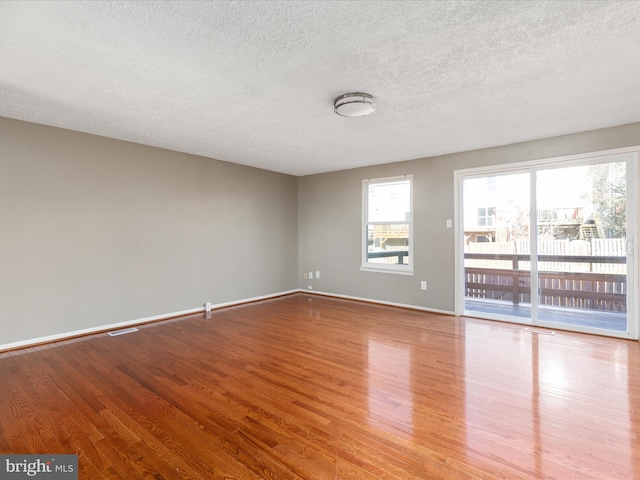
(381, 267)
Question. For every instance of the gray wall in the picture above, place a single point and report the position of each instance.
(97, 231)
(330, 218)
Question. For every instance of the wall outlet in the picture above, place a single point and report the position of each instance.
(310, 275)
(423, 284)
(207, 307)
(449, 223)
(310, 287)
(317, 273)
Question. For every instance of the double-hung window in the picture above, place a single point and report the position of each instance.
(387, 225)
(486, 215)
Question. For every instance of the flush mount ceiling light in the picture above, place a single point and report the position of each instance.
(354, 104)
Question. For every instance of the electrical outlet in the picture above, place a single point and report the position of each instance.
(310, 287)
(310, 275)
(423, 284)
(207, 307)
(449, 223)
(317, 273)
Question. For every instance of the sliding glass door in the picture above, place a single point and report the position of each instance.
(582, 237)
(550, 244)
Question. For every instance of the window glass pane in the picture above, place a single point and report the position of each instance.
(589, 221)
(389, 202)
(388, 243)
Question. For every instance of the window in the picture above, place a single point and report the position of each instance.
(387, 225)
(486, 216)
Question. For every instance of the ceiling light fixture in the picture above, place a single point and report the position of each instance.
(354, 104)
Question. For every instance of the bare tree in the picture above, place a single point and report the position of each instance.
(609, 197)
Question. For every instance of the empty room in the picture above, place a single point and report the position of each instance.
(316, 240)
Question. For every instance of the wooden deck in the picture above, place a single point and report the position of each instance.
(306, 387)
(614, 321)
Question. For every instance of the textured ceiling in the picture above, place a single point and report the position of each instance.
(253, 82)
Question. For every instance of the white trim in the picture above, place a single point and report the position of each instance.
(379, 302)
(252, 299)
(114, 326)
(393, 269)
(633, 259)
(395, 178)
(458, 244)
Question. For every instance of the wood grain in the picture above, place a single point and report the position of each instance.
(311, 387)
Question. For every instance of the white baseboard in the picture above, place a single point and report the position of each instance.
(129, 323)
(253, 299)
(380, 302)
(139, 321)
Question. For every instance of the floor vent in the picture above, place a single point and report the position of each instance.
(123, 331)
(540, 332)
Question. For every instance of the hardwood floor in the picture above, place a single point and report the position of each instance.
(310, 387)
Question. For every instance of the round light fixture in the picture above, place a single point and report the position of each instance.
(354, 104)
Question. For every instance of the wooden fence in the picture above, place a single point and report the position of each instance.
(596, 247)
(588, 289)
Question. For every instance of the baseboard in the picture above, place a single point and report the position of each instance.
(157, 318)
(380, 302)
(139, 321)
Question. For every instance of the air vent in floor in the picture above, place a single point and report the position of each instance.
(123, 331)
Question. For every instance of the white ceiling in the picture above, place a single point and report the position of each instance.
(253, 82)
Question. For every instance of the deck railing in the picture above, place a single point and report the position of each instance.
(399, 254)
(588, 290)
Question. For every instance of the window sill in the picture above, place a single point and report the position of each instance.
(395, 271)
